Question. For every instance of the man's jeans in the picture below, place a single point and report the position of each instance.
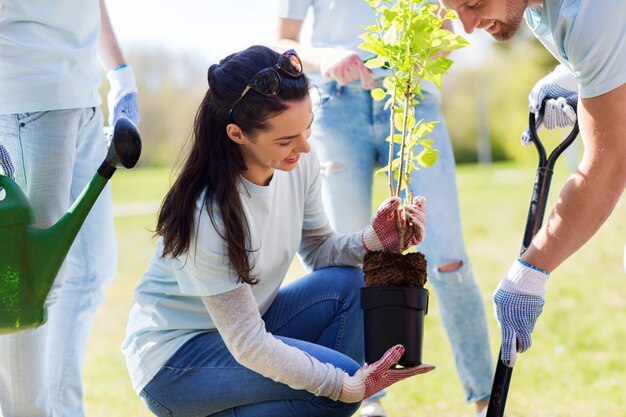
(319, 313)
(55, 154)
(349, 133)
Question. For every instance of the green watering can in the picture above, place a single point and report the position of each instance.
(30, 257)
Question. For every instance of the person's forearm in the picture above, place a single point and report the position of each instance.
(323, 247)
(591, 193)
(109, 50)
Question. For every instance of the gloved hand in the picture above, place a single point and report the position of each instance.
(560, 90)
(6, 165)
(518, 302)
(377, 376)
(122, 98)
(391, 221)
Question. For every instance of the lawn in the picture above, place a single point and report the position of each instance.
(575, 368)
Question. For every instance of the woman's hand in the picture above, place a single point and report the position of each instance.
(396, 228)
(377, 376)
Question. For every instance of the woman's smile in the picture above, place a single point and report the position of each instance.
(293, 159)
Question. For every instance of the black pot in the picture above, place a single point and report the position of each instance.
(391, 316)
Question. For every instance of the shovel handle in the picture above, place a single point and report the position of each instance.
(534, 220)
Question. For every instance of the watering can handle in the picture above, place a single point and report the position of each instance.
(124, 150)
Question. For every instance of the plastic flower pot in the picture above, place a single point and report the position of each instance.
(391, 316)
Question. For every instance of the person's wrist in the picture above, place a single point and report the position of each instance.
(370, 240)
(524, 278)
(352, 388)
(122, 78)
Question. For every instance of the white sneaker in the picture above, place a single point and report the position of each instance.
(372, 409)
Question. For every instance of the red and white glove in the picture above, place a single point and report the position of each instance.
(377, 376)
(391, 221)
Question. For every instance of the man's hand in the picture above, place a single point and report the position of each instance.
(377, 376)
(518, 302)
(346, 67)
(122, 98)
(557, 95)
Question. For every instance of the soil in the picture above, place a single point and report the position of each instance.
(388, 269)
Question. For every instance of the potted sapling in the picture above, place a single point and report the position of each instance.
(408, 39)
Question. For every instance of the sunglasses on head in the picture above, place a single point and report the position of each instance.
(267, 81)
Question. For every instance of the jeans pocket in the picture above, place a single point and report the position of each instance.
(153, 405)
(25, 119)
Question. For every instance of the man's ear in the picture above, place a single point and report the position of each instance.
(235, 134)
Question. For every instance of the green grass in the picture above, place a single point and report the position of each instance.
(575, 368)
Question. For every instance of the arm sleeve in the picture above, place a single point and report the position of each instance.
(293, 9)
(256, 349)
(323, 247)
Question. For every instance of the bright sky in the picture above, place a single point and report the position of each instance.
(214, 29)
(210, 28)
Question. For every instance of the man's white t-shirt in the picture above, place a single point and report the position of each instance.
(48, 58)
(587, 36)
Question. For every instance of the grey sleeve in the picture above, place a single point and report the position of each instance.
(323, 247)
(237, 318)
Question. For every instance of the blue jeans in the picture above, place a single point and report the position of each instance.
(349, 133)
(320, 314)
(55, 154)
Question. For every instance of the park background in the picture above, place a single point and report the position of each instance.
(576, 366)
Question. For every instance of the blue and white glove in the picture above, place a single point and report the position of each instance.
(559, 89)
(122, 98)
(6, 165)
(518, 302)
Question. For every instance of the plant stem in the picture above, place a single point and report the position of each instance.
(407, 103)
(391, 145)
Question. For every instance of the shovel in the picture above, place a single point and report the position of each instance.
(536, 211)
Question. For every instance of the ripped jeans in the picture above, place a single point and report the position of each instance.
(349, 134)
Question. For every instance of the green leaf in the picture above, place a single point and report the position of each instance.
(426, 143)
(428, 157)
(424, 129)
(390, 37)
(377, 62)
(378, 94)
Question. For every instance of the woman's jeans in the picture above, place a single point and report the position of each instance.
(320, 314)
(56, 153)
(349, 133)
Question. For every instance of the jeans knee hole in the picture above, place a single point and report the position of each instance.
(450, 266)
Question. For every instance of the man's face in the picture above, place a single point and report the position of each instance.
(501, 18)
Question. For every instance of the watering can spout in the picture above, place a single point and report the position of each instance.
(31, 257)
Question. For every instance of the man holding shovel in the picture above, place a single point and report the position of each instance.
(589, 40)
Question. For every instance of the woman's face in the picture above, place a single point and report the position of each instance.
(280, 146)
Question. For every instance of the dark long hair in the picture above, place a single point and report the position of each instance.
(214, 164)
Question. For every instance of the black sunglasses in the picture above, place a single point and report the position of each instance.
(267, 81)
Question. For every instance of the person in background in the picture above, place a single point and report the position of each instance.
(349, 132)
(52, 126)
(589, 41)
(212, 330)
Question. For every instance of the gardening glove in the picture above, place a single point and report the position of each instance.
(518, 302)
(6, 165)
(373, 378)
(390, 220)
(559, 89)
(122, 98)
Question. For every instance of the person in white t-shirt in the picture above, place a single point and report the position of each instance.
(211, 330)
(52, 127)
(589, 40)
